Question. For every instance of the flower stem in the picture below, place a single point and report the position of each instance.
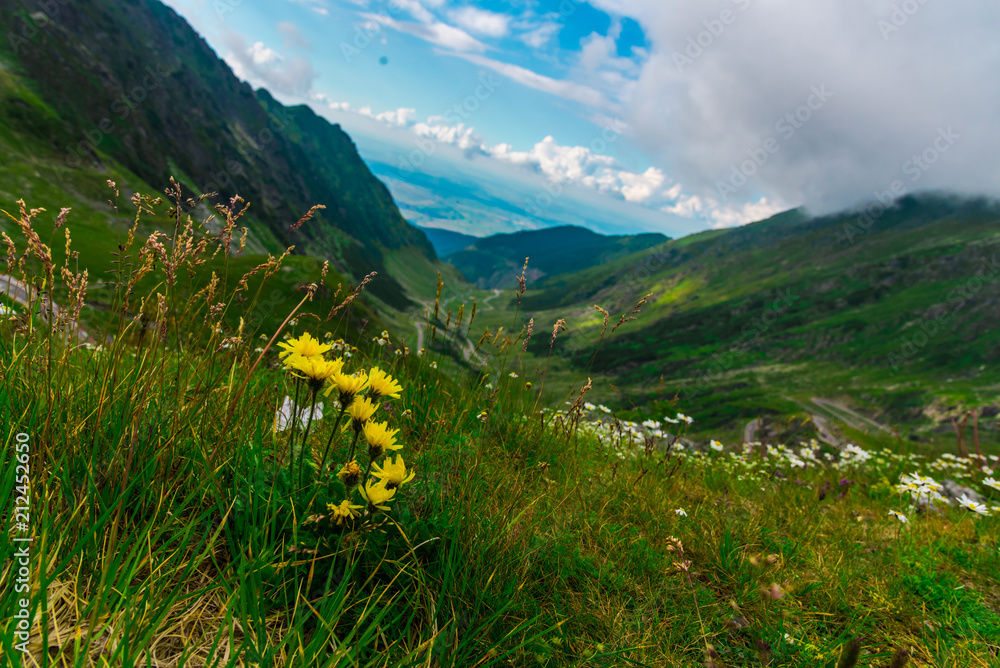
(353, 444)
(305, 438)
(333, 434)
(291, 434)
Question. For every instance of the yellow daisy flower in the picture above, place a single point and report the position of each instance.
(393, 474)
(380, 438)
(361, 411)
(305, 345)
(345, 511)
(376, 494)
(315, 369)
(382, 384)
(350, 475)
(347, 385)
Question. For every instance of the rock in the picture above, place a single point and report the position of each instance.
(951, 490)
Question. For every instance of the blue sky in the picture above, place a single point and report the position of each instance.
(651, 114)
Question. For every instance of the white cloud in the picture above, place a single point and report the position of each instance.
(261, 66)
(402, 116)
(538, 37)
(461, 136)
(728, 216)
(435, 32)
(261, 55)
(480, 21)
(565, 89)
(896, 79)
(640, 187)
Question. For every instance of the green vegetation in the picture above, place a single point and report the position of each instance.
(176, 518)
(492, 262)
(137, 90)
(758, 321)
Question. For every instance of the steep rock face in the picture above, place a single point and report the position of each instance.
(130, 79)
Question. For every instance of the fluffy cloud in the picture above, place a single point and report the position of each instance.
(432, 31)
(261, 66)
(462, 136)
(480, 21)
(726, 76)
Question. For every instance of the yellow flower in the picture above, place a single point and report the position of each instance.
(350, 475)
(382, 384)
(314, 368)
(305, 345)
(348, 386)
(380, 438)
(345, 511)
(376, 494)
(393, 474)
(361, 410)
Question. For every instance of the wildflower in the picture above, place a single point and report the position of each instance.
(681, 512)
(482, 416)
(380, 438)
(972, 506)
(420, 353)
(7, 311)
(315, 369)
(434, 365)
(305, 345)
(289, 411)
(527, 385)
(715, 445)
(489, 386)
(350, 475)
(512, 374)
(377, 494)
(899, 516)
(393, 474)
(345, 511)
(361, 411)
(990, 482)
(382, 384)
(347, 385)
(407, 413)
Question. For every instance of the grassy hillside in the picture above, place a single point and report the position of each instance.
(756, 322)
(132, 83)
(491, 261)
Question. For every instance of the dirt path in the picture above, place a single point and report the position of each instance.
(848, 416)
(21, 293)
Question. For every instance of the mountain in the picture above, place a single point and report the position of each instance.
(895, 312)
(490, 262)
(446, 242)
(131, 82)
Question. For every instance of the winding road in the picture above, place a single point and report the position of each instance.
(21, 293)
